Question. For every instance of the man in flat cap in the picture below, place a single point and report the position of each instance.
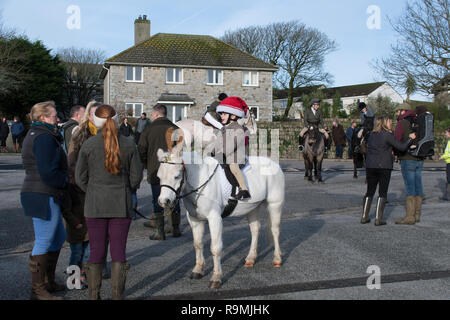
(313, 116)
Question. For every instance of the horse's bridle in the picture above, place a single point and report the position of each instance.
(178, 191)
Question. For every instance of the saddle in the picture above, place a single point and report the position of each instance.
(230, 186)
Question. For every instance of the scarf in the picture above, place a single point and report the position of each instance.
(92, 128)
(49, 126)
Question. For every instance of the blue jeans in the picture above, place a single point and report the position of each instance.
(50, 234)
(156, 191)
(412, 177)
(339, 151)
(79, 253)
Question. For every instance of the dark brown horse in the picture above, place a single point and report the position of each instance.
(313, 153)
(360, 148)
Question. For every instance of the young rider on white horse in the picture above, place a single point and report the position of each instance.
(231, 149)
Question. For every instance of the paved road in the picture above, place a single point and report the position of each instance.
(326, 252)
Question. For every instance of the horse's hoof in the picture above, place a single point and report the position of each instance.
(277, 264)
(249, 264)
(306, 178)
(321, 182)
(215, 284)
(196, 276)
(355, 177)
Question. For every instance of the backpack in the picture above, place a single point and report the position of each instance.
(423, 126)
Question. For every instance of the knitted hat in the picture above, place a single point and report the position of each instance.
(233, 105)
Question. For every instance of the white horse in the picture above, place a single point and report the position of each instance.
(199, 185)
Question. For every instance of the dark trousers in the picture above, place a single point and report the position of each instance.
(339, 151)
(380, 178)
(448, 173)
(102, 230)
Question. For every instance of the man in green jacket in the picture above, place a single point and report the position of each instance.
(313, 116)
(153, 138)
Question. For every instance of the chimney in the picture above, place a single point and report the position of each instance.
(141, 30)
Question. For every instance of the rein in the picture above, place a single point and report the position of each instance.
(178, 191)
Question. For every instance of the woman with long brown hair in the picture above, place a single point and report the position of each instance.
(108, 168)
(379, 165)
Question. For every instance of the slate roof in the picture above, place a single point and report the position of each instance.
(345, 91)
(165, 49)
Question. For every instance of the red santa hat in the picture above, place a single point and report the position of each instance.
(233, 105)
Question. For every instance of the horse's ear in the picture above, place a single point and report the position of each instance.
(161, 155)
(179, 138)
(169, 141)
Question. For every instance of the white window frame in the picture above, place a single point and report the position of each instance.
(134, 115)
(173, 106)
(134, 74)
(257, 111)
(214, 77)
(174, 77)
(251, 84)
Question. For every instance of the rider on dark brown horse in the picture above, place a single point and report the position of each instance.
(313, 116)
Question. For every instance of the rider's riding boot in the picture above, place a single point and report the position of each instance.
(301, 143)
(175, 223)
(38, 269)
(51, 285)
(366, 210)
(410, 212)
(151, 223)
(119, 271)
(243, 191)
(94, 276)
(159, 232)
(418, 208)
(381, 204)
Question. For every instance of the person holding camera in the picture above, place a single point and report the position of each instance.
(411, 167)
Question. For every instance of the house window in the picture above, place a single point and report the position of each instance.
(176, 113)
(255, 112)
(134, 74)
(250, 78)
(214, 77)
(174, 75)
(134, 109)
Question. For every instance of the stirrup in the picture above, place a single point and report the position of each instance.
(243, 194)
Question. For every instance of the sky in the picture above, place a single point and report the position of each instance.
(360, 27)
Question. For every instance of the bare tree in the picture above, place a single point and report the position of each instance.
(83, 67)
(299, 52)
(422, 51)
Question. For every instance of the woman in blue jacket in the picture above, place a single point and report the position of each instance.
(42, 196)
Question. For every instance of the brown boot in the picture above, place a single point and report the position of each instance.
(50, 284)
(38, 270)
(418, 209)
(410, 211)
(159, 232)
(94, 273)
(119, 271)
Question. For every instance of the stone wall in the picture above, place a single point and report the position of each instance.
(289, 132)
(194, 85)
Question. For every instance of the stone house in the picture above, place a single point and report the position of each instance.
(186, 73)
(350, 95)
